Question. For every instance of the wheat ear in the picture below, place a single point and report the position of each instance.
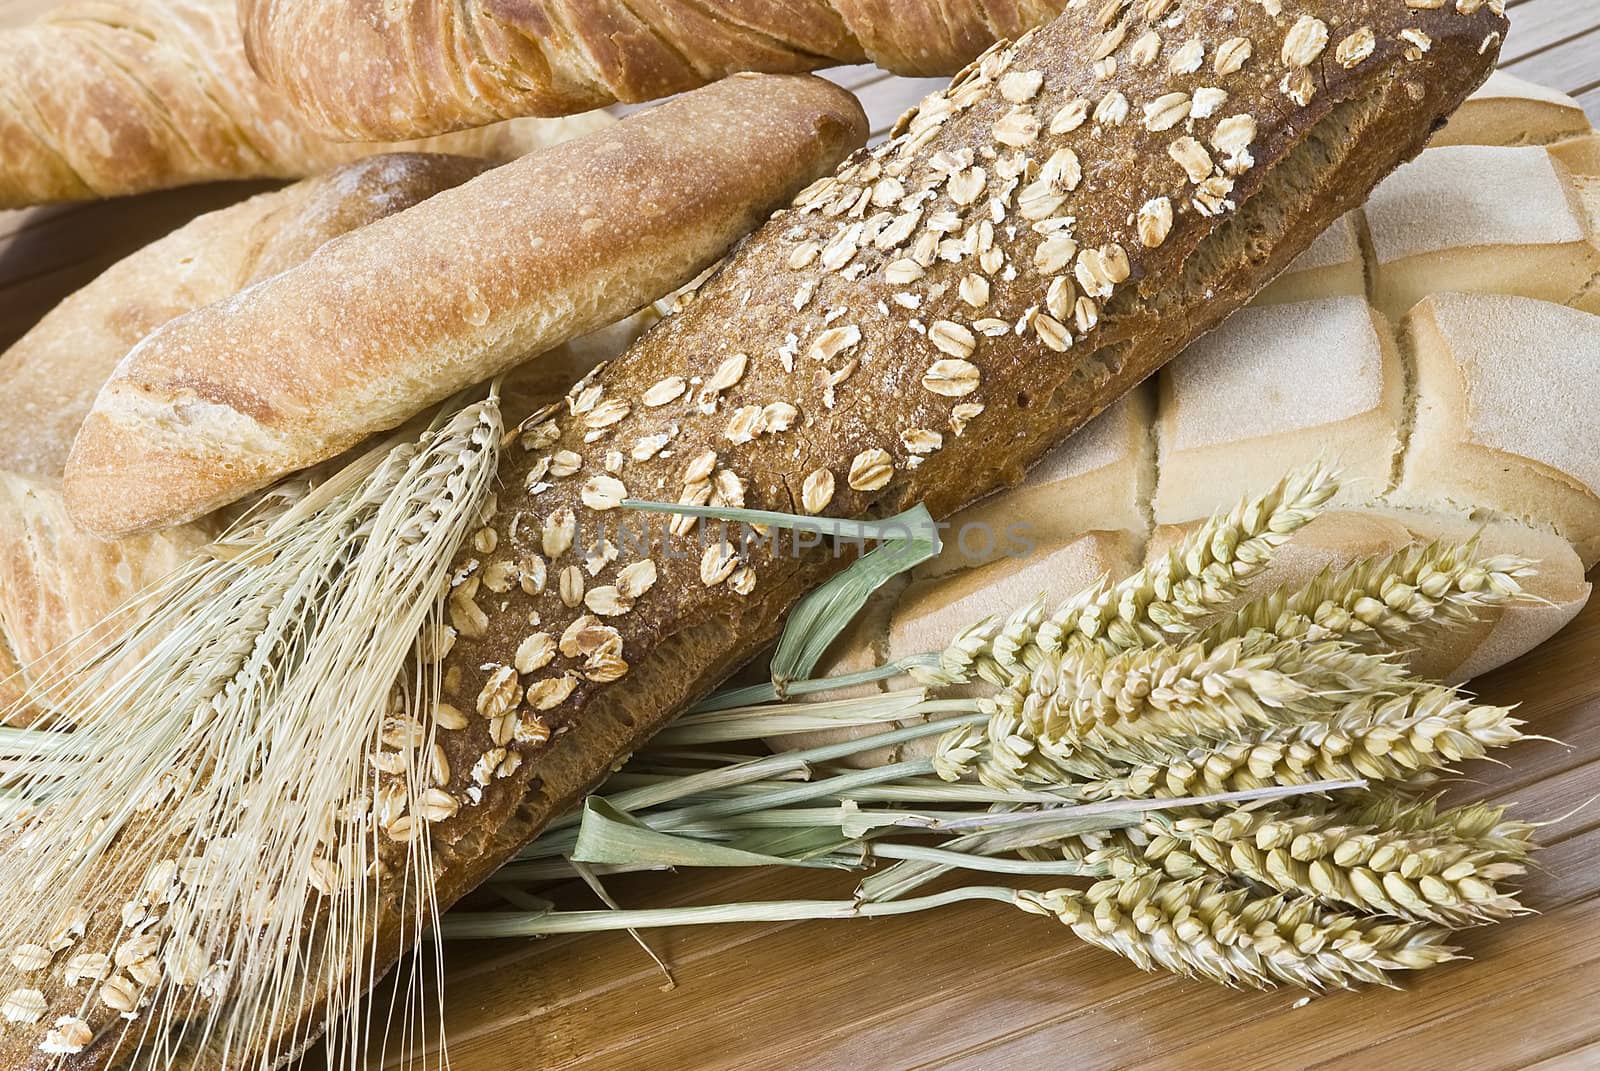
(1165, 600)
(1204, 928)
(1403, 739)
(1420, 873)
(208, 859)
(1386, 600)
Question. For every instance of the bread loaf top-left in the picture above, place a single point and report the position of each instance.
(383, 322)
(51, 375)
(100, 98)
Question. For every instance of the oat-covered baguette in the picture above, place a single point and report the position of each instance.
(922, 326)
(107, 97)
(51, 375)
(415, 67)
(401, 314)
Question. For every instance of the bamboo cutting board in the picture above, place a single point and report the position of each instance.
(983, 986)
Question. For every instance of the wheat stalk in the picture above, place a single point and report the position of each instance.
(225, 805)
(1164, 600)
(1204, 928)
(1428, 874)
(1385, 600)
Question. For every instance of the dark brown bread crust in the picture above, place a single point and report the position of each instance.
(422, 65)
(1312, 161)
(1336, 103)
(882, 394)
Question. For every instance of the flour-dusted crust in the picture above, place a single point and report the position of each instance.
(50, 377)
(1507, 110)
(1275, 387)
(401, 314)
(421, 67)
(1478, 218)
(1333, 266)
(1510, 438)
(106, 97)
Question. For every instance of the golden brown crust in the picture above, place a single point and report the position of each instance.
(401, 314)
(51, 375)
(419, 66)
(58, 583)
(106, 97)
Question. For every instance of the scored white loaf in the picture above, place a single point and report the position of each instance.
(1470, 415)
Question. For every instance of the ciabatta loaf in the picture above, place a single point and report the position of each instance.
(401, 314)
(51, 375)
(106, 97)
(921, 326)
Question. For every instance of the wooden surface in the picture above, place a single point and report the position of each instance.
(983, 986)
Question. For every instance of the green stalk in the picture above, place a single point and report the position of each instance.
(990, 864)
(761, 769)
(756, 694)
(496, 925)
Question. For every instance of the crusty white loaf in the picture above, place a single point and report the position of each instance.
(1332, 266)
(1507, 110)
(1507, 390)
(1491, 219)
(1443, 422)
(402, 314)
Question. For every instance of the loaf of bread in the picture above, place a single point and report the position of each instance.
(1443, 422)
(923, 325)
(50, 376)
(107, 97)
(421, 67)
(57, 581)
(404, 313)
(59, 585)
(1507, 110)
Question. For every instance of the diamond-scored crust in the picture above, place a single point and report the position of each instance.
(1324, 135)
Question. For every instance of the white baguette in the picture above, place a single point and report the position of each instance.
(401, 314)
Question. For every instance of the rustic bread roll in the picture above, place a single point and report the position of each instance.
(50, 376)
(1513, 438)
(1484, 218)
(810, 394)
(401, 314)
(1507, 110)
(107, 97)
(421, 67)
